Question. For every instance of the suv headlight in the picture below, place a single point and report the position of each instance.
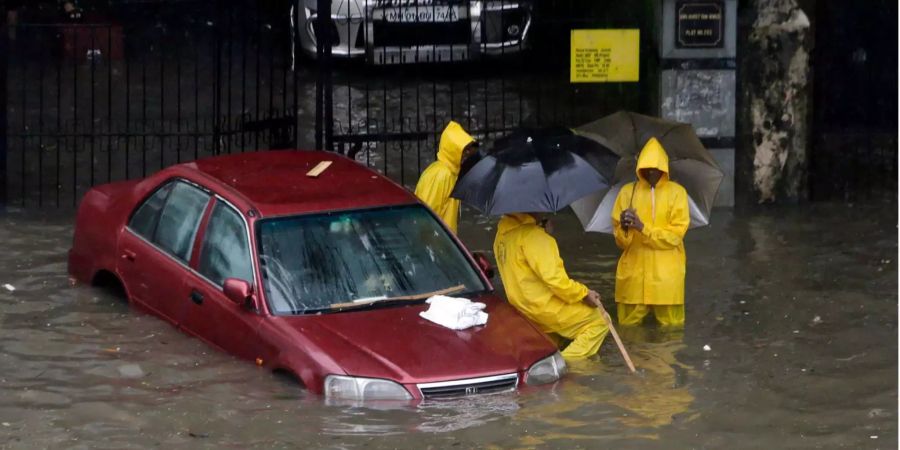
(546, 370)
(354, 388)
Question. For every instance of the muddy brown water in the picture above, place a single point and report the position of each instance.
(798, 307)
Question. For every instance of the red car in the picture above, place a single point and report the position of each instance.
(322, 277)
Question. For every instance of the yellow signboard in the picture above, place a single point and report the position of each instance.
(604, 55)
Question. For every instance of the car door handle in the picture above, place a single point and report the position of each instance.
(196, 297)
(128, 255)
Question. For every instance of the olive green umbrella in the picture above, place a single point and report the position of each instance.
(690, 164)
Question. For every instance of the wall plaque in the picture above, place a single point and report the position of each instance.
(699, 24)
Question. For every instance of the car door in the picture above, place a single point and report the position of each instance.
(224, 252)
(156, 247)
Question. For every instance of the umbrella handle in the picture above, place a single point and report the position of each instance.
(630, 206)
(631, 200)
(615, 334)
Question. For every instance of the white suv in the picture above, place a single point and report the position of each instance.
(415, 31)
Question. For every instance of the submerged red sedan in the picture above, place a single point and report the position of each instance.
(319, 277)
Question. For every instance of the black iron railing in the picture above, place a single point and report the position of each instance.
(127, 91)
(511, 68)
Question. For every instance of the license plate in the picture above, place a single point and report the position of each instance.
(416, 14)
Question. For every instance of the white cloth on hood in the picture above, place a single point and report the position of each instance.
(454, 312)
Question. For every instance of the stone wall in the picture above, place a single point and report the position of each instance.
(775, 92)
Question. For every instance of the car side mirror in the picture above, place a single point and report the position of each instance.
(484, 264)
(238, 291)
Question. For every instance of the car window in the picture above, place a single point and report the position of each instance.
(144, 220)
(225, 252)
(179, 219)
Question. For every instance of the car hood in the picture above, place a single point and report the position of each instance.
(396, 343)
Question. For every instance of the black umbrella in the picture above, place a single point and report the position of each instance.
(536, 170)
(468, 163)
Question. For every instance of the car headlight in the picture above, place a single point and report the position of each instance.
(546, 370)
(353, 388)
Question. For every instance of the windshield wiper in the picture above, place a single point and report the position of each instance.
(474, 293)
(450, 290)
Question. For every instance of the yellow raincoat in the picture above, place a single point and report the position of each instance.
(537, 285)
(652, 266)
(438, 179)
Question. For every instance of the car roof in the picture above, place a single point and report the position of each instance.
(276, 184)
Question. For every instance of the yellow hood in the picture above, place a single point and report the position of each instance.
(453, 140)
(513, 221)
(653, 156)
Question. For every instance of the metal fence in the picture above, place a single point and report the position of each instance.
(854, 166)
(143, 84)
(390, 82)
(128, 90)
(854, 147)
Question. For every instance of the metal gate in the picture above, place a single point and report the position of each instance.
(131, 89)
(393, 73)
(854, 149)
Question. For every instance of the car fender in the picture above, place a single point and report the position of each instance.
(100, 218)
(298, 352)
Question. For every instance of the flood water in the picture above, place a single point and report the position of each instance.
(798, 307)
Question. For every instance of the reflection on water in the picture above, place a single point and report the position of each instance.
(440, 416)
(798, 312)
(659, 395)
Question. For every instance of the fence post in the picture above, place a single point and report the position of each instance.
(329, 90)
(4, 65)
(320, 73)
(324, 107)
(295, 70)
(217, 82)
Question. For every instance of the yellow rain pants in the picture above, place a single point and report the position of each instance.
(538, 286)
(651, 269)
(439, 178)
(666, 315)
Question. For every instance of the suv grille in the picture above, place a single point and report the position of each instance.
(471, 386)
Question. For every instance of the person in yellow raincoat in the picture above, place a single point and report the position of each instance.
(650, 218)
(439, 178)
(537, 285)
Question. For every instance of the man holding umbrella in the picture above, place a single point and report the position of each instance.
(650, 218)
(437, 181)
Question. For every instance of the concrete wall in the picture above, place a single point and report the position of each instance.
(704, 98)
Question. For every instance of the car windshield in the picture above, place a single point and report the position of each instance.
(311, 262)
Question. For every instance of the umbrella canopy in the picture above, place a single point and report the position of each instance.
(690, 164)
(595, 210)
(536, 170)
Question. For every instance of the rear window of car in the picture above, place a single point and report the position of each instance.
(144, 220)
(169, 218)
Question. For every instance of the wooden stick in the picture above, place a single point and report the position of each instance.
(449, 290)
(612, 330)
(320, 167)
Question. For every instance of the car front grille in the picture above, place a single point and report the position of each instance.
(470, 386)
